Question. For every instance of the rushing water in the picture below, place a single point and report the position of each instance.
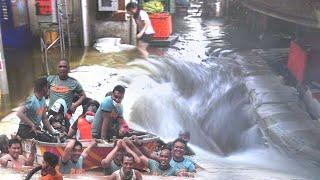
(180, 88)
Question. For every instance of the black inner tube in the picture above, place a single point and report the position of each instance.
(32, 172)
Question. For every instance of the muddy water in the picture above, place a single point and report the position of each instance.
(174, 89)
(23, 67)
(21, 72)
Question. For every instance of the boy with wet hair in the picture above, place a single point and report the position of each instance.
(49, 163)
(113, 160)
(126, 171)
(33, 112)
(73, 157)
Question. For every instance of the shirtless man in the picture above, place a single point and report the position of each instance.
(114, 159)
(126, 171)
(14, 159)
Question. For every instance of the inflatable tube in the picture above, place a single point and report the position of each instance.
(32, 172)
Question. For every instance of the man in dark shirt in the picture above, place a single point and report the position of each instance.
(65, 87)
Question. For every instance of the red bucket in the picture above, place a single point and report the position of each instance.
(162, 25)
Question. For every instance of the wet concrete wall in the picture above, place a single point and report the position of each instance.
(92, 19)
(97, 29)
(34, 25)
(104, 27)
(283, 117)
(115, 29)
(75, 20)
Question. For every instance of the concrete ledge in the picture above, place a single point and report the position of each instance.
(283, 118)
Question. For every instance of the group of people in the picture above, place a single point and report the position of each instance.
(129, 155)
(11, 157)
(55, 122)
(126, 160)
(98, 121)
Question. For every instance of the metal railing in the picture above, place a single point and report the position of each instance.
(44, 52)
(64, 37)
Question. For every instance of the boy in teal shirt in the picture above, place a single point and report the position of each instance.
(33, 112)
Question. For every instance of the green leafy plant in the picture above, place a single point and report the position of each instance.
(153, 6)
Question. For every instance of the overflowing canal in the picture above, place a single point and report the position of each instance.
(195, 85)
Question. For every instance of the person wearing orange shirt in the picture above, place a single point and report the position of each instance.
(49, 163)
(84, 123)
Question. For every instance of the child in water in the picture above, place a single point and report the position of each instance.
(49, 163)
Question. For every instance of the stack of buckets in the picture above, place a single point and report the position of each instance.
(162, 25)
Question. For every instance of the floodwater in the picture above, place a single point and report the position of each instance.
(182, 88)
(23, 67)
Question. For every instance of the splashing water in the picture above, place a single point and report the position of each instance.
(166, 95)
